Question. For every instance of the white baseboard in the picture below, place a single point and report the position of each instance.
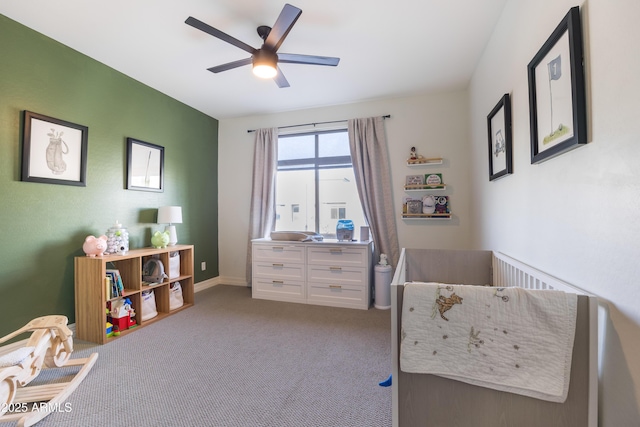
(206, 284)
(233, 281)
(220, 280)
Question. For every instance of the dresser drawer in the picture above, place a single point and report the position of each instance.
(278, 253)
(337, 255)
(336, 274)
(279, 270)
(281, 290)
(337, 295)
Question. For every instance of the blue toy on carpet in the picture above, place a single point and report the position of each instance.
(385, 383)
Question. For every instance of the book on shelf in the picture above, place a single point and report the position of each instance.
(117, 287)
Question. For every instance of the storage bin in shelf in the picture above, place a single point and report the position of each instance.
(426, 216)
(425, 162)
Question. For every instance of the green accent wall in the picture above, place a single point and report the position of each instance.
(43, 226)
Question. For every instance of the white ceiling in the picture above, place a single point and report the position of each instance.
(387, 49)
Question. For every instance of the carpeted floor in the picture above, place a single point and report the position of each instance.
(234, 361)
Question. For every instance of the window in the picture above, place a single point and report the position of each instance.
(315, 184)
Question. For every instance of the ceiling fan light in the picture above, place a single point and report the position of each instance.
(265, 71)
(265, 64)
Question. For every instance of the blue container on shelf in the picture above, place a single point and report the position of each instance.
(344, 230)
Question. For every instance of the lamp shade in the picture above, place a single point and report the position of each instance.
(170, 215)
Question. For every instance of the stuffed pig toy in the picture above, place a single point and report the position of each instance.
(95, 246)
(160, 239)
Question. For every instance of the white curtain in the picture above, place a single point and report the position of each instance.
(370, 157)
(263, 191)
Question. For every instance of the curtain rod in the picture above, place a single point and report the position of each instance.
(316, 123)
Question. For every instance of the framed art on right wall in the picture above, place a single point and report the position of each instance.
(500, 144)
(557, 110)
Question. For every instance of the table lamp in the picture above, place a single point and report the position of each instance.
(170, 215)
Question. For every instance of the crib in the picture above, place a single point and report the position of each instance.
(428, 400)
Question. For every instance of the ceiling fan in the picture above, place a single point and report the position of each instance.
(265, 60)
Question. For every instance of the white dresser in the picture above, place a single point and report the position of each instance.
(332, 273)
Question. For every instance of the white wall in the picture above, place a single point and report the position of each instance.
(574, 216)
(436, 124)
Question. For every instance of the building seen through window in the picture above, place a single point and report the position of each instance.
(315, 184)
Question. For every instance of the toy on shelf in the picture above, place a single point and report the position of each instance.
(160, 239)
(121, 315)
(419, 159)
(95, 246)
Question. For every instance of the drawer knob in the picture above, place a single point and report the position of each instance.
(335, 251)
(335, 286)
(278, 282)
(278, 248)
(278, 265)
(335, 268)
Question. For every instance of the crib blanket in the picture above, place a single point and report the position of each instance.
(509, 339)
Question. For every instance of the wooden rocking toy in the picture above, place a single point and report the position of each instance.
(50, 346)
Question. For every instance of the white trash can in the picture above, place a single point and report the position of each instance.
(382, 281)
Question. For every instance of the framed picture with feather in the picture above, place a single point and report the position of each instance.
(145, 166)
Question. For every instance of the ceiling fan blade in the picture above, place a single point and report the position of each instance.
(219, 34)
(283, 25)
(292, 58)
(280, 80)
(230, 65)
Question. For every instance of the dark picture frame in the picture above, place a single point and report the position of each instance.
(500, 139)
(145, 166)
(54, 151)
(557, 106)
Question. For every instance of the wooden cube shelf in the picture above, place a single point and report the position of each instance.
(91, 293)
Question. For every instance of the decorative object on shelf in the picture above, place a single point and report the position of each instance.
(428, 204)
(418, 159)
(442, 205)
(145, 166)
(54, 151)
(414, 180)
(160, 239)
(414, 206)
(413, 156)
(153, 271)
(117, 240)
(500, 145)
(95, 246)
(557, 107)
(344, 230)
(433, 179)
(383, 260)
(170, 215)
